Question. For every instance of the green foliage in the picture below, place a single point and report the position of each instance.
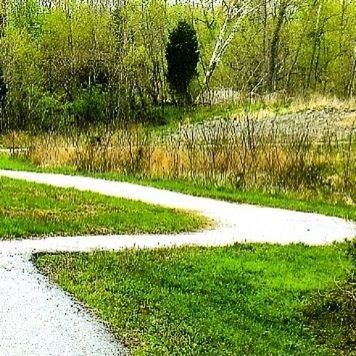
(50, 112)
(22, 76)
(28, 209)
(182, 56)
(332, 314)
(244, 299)
(25, 15)
(59, 51)
(88, 107)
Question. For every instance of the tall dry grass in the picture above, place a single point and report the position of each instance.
(238, 154)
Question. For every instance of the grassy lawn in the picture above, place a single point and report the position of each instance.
(285, 200)
(243, 299)
(29, 209)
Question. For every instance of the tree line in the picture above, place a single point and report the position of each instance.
(75, 62)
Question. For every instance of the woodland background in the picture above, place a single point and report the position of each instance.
(81, 62)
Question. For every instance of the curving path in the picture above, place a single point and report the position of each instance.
(37, 318)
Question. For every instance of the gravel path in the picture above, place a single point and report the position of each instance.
(37, 318)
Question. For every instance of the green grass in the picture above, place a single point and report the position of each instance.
(170, 116)
(244, 299)
(29, 209)
(287, 200)
(16, 163)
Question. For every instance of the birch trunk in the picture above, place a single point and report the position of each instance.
(232, 20)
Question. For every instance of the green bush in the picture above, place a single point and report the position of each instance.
(332, 314)
(88, 107)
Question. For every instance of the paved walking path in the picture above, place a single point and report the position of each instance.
(37, 318)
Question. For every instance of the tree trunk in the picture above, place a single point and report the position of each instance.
(275, 46)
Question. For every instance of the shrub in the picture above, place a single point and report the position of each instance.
(182, 56)
(332, 315)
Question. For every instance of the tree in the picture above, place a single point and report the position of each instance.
(233, 13)
(281, 18)
(3, 88)
(182, 56)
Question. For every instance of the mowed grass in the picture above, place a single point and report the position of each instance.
(246, 299)
(30, 209)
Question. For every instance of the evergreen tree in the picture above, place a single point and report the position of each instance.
(182, 56)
